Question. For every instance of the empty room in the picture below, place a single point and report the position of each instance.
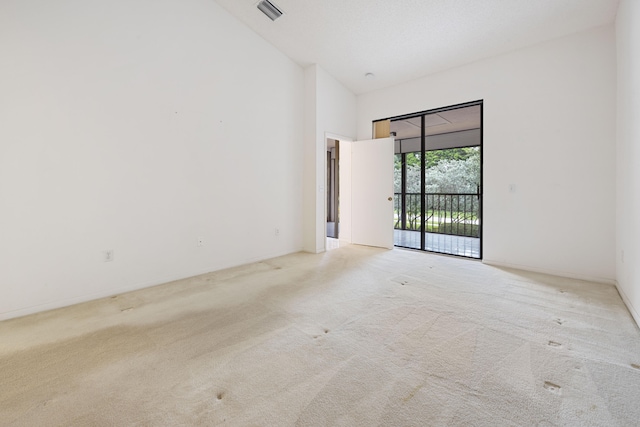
(243, 212)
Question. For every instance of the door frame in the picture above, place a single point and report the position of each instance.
(342, 170)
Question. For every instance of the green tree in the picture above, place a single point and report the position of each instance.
(460, 175)
(448, 171)
(454, 170)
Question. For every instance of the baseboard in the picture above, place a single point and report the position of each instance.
(630, 307)
(52, 305)
(67, 302)
(569, 275)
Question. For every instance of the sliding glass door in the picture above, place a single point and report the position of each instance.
(438, 180)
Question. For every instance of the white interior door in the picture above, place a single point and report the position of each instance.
(372, 192)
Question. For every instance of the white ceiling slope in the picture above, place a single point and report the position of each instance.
(400, 40)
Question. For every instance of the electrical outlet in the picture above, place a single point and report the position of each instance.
(200, 241)
(108, 256)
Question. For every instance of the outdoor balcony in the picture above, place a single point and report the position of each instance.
(451, 223)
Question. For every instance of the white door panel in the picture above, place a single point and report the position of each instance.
(372, 192)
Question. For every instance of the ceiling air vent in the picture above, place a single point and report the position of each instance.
(269, 9)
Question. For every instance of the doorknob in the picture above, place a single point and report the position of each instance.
(390, 199)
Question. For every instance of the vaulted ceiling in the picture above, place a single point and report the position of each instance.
(400, 40)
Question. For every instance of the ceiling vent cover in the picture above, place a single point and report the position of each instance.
(269, 9)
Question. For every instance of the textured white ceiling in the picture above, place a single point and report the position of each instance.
(400, 40)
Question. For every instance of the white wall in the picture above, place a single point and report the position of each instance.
(138, 127)
(330, 110)
(549, 129)
(312, 163)
(628, 167)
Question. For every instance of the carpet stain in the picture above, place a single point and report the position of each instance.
(559, 321)
(635, 366)
(554, 344)
(124, 310)
(220, 395)
(553, 388)
(325, 330)
(412, 393)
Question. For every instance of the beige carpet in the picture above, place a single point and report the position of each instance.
(353, 337)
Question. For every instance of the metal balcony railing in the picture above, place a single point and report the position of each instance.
(445, 213)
